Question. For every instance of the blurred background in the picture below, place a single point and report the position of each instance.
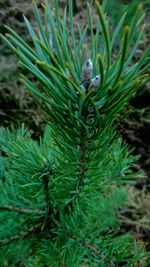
(17, 107)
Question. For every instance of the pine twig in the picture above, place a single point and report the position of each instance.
(20, 235)
(94, 250)
(23, 210)
(46, 189)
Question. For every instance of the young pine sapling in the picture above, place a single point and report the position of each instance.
(59, 197)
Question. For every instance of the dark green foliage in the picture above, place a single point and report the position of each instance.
(46, 212)
(60, 196)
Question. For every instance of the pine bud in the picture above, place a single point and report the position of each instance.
(87, 73)
(95, 82)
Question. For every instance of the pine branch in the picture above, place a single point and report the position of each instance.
(81, 109)
(20, 235)
(83, 148)
(94, 250)
(23, 210)
(45, 180)
(83, 160)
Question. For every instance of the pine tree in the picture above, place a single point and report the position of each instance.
(60, 196)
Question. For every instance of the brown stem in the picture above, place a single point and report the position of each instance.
(82, 165)
(45, 180)
(93, 248)
(23, 210)
(20, 235)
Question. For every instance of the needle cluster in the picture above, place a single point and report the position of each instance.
(60, 197)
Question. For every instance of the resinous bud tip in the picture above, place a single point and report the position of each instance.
(87, 73)
(88, 64)
(95, 82)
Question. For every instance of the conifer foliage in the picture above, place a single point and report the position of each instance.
(59, 197)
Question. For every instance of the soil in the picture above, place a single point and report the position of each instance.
(18, 107)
